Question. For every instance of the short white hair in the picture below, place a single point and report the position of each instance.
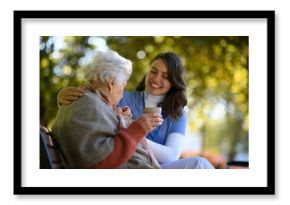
(108, 64)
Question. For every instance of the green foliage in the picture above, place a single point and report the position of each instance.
(216, 77)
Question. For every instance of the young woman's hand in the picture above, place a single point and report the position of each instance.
(150, 121)
(67, 95)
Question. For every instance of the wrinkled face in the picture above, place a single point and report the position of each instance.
(117, 92)
(156, 81)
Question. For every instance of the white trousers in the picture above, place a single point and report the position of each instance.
(188, 163)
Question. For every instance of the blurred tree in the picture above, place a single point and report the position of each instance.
(216, 76)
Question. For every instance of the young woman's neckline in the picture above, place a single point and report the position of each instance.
(152, 100)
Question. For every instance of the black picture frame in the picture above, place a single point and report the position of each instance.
(19, 189)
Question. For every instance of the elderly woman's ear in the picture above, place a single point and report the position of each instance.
(111, 84)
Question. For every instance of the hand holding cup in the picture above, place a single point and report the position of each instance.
(151, 118)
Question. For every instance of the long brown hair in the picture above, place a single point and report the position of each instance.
(175, 98)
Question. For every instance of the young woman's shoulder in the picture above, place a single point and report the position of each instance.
(132, 94)
(130, 97)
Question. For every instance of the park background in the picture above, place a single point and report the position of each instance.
(216, 76)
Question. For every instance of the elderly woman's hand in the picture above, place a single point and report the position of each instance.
(150, 121)
(67, 95)
(126, 111)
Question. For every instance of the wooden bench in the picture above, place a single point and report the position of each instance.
(49, 154)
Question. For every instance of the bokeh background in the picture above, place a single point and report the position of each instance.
(216, 78)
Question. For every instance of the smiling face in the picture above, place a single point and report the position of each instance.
(156, 81)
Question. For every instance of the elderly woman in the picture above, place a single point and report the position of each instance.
(93, 132)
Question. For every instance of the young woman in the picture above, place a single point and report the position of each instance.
(163, 86)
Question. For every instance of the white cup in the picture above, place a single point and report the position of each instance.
(157, 110)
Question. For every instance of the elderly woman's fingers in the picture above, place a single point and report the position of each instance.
(146, 122)
(125, 111)
(156, 118)
(150, 121)
(157, 121)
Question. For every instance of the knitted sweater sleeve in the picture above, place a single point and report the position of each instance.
(125, 144)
